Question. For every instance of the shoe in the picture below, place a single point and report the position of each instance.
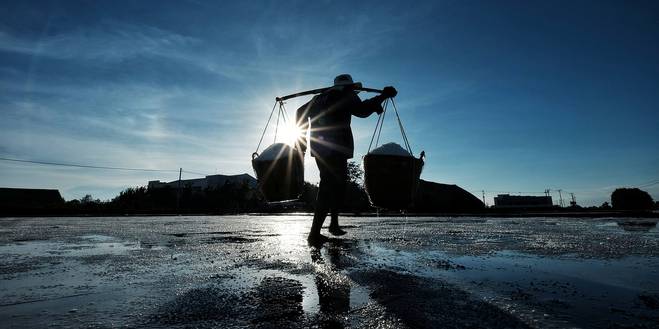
(336, 230)
(316, 240)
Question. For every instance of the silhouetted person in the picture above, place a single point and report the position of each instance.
(327, 116)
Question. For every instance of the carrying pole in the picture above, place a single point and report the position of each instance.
(320, 90)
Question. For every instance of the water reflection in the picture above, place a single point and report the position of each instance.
(333, 288)
(290, 233)
(631, 225)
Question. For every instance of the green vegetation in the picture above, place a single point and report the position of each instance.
(631, 199)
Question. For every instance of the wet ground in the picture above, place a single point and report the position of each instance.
(257, 271)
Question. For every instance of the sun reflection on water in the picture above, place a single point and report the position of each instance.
(291, 232)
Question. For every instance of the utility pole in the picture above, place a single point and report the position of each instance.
(573, 203)
(560, 198)
(485, 204)
(178, 191)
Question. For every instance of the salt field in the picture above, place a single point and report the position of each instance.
(257, 271)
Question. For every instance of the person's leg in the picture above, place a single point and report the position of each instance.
(318, 220)
(335, 217)
(334, 227)
(322, 202)
(341, 175)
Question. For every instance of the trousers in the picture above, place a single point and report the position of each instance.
(333, 177)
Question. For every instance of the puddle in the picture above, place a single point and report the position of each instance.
(90, 245)
(359, 296)
(98, 238)
(583, 288)
(517, 266)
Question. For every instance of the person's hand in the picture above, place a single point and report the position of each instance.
(389, 92)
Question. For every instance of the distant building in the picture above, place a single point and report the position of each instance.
(29, 198)
(522, 201)
(200, 184)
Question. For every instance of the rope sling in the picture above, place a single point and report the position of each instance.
(283, 116)
(380, 123)
(372, 186)
(282, 110)
(281, 113)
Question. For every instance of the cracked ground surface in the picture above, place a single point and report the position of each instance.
(257, 271)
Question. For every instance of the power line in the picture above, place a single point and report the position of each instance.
(84, 166)
(76, 165)
(650, 183)
(196, 173)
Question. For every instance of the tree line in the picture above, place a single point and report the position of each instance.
(234, 198)
(230, 198)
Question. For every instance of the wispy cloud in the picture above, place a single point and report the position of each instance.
(107, 41)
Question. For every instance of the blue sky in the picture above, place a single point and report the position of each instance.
(503, 96)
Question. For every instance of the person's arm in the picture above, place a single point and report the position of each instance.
(365, 108)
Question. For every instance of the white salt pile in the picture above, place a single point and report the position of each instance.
(274, 151)
(391, 149)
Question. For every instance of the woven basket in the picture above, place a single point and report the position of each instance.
(280, 179)
(391, 181)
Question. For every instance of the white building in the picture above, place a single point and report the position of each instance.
(212, 181)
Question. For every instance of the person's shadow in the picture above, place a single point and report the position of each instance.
(333, 288)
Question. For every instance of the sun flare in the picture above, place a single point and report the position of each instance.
(290, 133)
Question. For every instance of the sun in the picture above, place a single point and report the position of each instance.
(290, 133)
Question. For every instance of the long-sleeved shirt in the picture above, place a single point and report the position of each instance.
(327, 116)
